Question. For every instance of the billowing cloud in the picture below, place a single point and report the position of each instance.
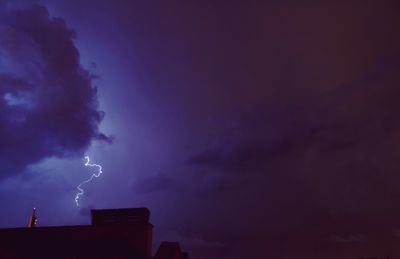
(48, 104)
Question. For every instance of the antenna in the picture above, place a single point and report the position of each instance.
(33, 219)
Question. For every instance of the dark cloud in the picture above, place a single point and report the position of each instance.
(240, 155)
(155, 183)
(48, 102)
(347, 239)
(333, 166)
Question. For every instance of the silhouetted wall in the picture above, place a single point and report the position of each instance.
(114, 240)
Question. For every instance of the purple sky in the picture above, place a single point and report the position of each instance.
(250, 129)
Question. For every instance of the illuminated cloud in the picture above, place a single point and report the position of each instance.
(48, 103)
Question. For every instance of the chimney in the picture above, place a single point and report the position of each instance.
(134, 222)
(120, 216)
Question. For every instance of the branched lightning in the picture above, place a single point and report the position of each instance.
(79, 187)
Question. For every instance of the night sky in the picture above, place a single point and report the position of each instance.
(250, 129)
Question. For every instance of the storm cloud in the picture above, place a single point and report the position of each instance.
(251, 129)
(48, 103)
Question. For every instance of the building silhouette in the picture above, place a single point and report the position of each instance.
(114, 233)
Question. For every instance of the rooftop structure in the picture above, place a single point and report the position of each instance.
(114, 233)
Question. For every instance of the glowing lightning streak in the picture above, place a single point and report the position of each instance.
(81, 191)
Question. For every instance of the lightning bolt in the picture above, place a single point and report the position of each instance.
(79, 187)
